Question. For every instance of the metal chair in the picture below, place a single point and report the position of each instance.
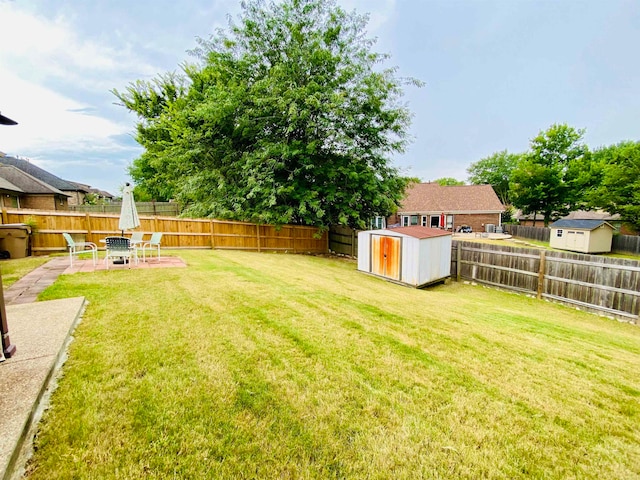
(154, 242)
(78, 248)
(120, 247)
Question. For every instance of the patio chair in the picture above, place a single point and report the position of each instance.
(137, 239)
(78, 248)
(120, 248)
(154, 242)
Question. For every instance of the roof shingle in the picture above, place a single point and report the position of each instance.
(26, 182)
(435, 198)
(40, 174)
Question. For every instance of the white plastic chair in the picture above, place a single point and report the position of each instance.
(137, 238)
(154, 242)
(78, 248)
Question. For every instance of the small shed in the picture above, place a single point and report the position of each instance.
(414, 256)
(585, 236)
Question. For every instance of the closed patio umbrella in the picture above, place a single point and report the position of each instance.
(128, 213)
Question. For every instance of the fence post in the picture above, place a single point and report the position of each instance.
(88, 225)
(258, 235)
(213, 234)
(294, 230)
(4, 215)
(541, 273)
(353, 243)
(458, 262)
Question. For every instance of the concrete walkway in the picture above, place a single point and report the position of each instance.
(41, 332)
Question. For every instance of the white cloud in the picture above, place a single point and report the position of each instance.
(50, 121)
(58, 52)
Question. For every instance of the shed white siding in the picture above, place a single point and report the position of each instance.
(419, 262)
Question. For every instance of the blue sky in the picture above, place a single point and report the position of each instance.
(496, 73)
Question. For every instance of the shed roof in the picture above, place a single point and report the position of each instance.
(582, 224)
(433, 197)
(421, 232)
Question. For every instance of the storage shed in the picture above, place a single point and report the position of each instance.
(415, 256)
(585, 236)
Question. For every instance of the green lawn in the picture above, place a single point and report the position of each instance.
(248, 365)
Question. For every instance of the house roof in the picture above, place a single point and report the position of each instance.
(435, 198)
(591, 215)
(27, 183)
(421, 232)
(575, 215)
(7, 186)
(101, 193)
(42, 175)
(580, 224)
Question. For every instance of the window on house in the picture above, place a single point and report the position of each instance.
(558, 233)
(435, 221)
(414, 219)
(424, 221)
(405, 221)
(449, 222)
(378, 223)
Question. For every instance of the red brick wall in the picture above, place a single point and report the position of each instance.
(475, 221)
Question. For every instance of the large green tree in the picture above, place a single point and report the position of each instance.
(495, 170)
(288, 116)
(544, 181)
(615, 181)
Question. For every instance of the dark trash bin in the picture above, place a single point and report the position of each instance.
(14, 239)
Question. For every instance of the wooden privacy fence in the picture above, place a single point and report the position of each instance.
(343, 241)
(542, 234)
(166, 209)
(602, 284)
(626, 243)
(619, 244)
(177, 232)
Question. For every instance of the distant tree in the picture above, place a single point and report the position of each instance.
(615, 181)
(495, 170)
(288, 118)
(543, 182)
(444, 181)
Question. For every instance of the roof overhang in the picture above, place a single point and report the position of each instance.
(6, 120)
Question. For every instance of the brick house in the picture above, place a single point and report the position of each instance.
(21, 190)
(449, 207)
(75, 193)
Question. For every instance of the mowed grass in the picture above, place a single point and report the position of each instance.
(248, 365)
(16, 268)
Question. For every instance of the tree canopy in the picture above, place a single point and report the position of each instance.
(448, 181)
(614, 176)
(288, 116)
(495, 170)
(544, 181)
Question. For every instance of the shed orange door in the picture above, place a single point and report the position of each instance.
(385, 256)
